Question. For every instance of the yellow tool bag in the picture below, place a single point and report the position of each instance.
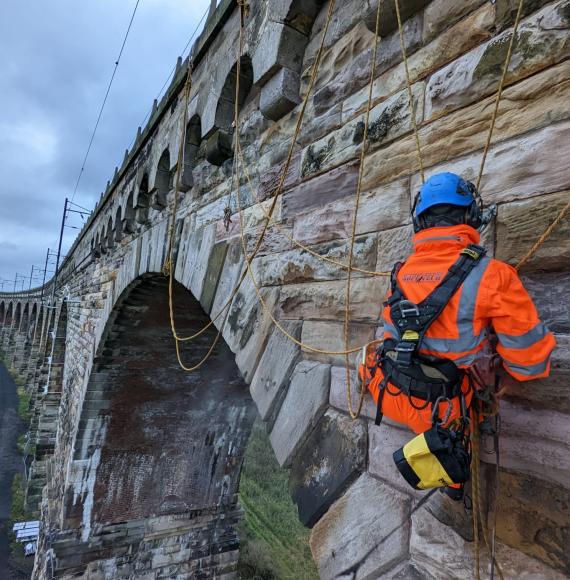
(436, 458)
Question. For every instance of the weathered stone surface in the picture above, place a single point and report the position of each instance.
(542, 42)
(329, 336)
(441, 14)
(533, 516)
(215, 264)
(331, 458)
(517, 168)
(303, 406)
(388, 120)
(534, 441)
(548, 291)
(280, 94)
(274, 370)
(298, 265)
(322, 189)
(382, 208)
(269, 180)
(518, 224)
(551, 392)
(378, 519)
(389, 21)
(435, 548)
(393, 246)
(507, 10)
(453, 42)
(529, 105)
(325, 301)
(338, 393)
(383, 441)
(201, 261)
(229, 276)
(249, 324)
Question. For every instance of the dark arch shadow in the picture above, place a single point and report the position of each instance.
(157, 444)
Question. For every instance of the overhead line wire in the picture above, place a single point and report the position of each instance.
(105, 100)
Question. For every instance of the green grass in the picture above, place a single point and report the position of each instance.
(274, 544)
(24, 403)
(17, 512)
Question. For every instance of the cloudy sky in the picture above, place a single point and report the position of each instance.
(57, 57)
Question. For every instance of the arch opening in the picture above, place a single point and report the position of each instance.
(129, 217)
(163, 181)
(158, 443)
(118, 225)
(143, 201)
(219, 146)
(191, 151)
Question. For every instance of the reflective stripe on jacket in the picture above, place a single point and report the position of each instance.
(492, 296)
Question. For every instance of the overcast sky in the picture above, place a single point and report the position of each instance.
(56, 59)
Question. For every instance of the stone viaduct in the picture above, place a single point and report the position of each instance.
(134, 463)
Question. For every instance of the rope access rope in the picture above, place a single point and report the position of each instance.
(352, 413)
(410, 92)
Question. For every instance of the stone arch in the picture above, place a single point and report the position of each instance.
(219, 144)
(2, 312)
(110, 238)
(143, 200)
(118, 230)
(56, 348)
(9, 315)
(25, 318)
(129, 215)
(183, 434)
(191, 148)
(163, 181)
(18, 316)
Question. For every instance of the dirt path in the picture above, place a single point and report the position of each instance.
(10, 463)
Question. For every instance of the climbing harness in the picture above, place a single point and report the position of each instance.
(417, 376)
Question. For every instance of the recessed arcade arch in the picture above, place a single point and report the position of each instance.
(154, 441)
(219, 145)
(163, 181)
(191, 148)
(143, 201)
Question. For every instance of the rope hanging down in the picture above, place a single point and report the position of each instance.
(352, 413)
(269, 214)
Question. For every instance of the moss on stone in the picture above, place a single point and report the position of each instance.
(316, 156)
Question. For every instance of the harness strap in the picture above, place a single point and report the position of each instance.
(413, 321)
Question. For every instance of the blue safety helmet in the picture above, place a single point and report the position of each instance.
(450, 189)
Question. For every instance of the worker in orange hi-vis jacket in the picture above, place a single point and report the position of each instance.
(445, 301)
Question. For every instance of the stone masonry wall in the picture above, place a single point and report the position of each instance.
(366, 523)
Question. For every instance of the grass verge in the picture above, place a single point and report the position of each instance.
(274, 544)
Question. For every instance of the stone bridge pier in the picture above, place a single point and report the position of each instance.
(134, 463)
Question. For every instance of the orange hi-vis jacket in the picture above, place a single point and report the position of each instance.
(492, 296)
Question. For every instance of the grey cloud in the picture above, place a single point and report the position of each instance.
(57, 60)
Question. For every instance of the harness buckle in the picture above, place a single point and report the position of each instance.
(471, 253)
(408, 309)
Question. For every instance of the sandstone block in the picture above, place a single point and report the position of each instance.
(229, 276)
(548, 291)
(329, 335)
(517, 168)
(542, 42)
(440, 14)
(532, 517)
(298, 265)
(520, 223)
(443, 49)
(382, 208)
(213, 271)
(383, 441)
(331, 458)
(438, 550)
(202, 260)
(393, 246)
(302, 408)
(270, 179)
(274, 370)
(376, 517)
(249, 324)
(325, 301)
(338, 393)
(534, 442)
(280, 94)
(331, 186)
